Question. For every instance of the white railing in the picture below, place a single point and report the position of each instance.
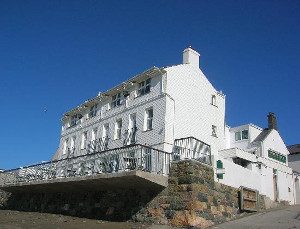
(135, 157)
(191, 148)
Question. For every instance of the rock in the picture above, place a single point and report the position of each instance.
(196, 205)
(156, 212)
(189, 219)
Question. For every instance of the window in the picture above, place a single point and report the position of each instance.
(214, 131)
(237, 136)
(105, 131)
(93, 111)
(65, 147)
(83, 140)
(148, 124)
(276, 156)
(144, 87)
(118, 129)
(245, 134)
(241, 135)
(75, 119)
(94, 134)
(73, 140)
(213, 100)
(116, 100)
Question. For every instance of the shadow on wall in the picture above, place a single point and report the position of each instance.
(113, 205)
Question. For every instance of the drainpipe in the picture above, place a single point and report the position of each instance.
(173, 127)
(168, 95)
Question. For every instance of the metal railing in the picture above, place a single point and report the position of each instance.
(130, 136)
(191, 148)
(135, 157)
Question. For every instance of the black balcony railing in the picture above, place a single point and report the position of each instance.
(191, 148)
(134, 157)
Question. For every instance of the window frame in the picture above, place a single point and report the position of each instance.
(116, 100)
(148, 122)
(93, 111)
(240, 133)
(144, 87)
(83, 144)
(118, 129)
(65, 146)
(75, 119)
(213, 100)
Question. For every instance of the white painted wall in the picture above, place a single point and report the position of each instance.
(194, 113)
(237, 176)
(137, 105)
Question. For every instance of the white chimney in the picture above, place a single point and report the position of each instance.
(190, 56)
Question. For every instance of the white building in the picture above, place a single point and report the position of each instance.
(177, 110)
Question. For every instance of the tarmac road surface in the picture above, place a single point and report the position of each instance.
(284, 218)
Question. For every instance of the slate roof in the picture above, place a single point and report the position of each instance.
(262, 136)
(294, 149)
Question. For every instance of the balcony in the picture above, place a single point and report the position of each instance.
(133, 163)
(192, 148)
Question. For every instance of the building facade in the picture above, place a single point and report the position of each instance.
(176, 109)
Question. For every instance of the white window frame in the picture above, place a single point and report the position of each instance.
(148, 120)
(237, 136)
(75, 119)
(214, 100)
(83, 140)
(73, 141)
(93, 111)
(118, 129)
(116, 100)
(65, 146)
(144, 87)
(94, 134)
(105, 132)
(240, 134)
(243, 136)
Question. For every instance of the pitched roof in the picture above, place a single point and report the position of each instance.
(294, 149)
(262, 136)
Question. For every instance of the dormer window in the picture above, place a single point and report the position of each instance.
(241, 135)
(116, 100)
(93, 111)
(245, 134)
(75, 119)
(144, 87)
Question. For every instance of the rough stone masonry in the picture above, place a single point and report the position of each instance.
(192, 198)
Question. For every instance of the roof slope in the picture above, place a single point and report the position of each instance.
(262, 136)
(294, 149)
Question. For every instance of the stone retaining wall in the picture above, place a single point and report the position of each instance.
(192, 199)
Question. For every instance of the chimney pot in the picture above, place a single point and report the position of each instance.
(190, 56)
(272, 122)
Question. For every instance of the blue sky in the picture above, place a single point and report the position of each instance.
(56, 54)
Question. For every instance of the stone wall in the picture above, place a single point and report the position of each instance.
(4, 197)
(192, 198)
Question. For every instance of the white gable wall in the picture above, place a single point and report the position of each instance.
(194, 113)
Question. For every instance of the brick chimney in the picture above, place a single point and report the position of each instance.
(272, 122)
(191, 57)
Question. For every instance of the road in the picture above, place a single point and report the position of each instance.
(285, 218)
